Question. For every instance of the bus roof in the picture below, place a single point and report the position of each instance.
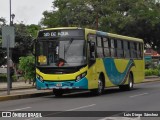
(61, 28)
(125, 37)
(116, 36)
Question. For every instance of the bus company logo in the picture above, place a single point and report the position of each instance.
(6, 114)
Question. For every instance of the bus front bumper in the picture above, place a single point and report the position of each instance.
(73, 84)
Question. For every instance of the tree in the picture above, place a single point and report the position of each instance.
(24, 38)
(2, 51)
(69, 13)
(26, 65)
(139, 18)
(33, 29)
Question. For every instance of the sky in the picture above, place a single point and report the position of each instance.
(26, 11)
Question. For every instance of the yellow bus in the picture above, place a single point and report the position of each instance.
(72, 58)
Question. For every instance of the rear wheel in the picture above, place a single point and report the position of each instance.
(100, 88)
(129, 86)
(57, 93)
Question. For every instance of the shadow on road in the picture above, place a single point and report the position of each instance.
(85, 94)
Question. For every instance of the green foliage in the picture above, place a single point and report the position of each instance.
(138, 18)
(150, 72)
(24, 37)
(26, 65)
(33, 30)
(3, 78)
(2, 51)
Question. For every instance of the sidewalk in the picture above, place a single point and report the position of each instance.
(16, 85)
(21, 90)
(151, 79)
(25, 90)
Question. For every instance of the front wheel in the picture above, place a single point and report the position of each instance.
(100, 88)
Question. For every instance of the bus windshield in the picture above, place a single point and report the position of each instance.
(61, 53)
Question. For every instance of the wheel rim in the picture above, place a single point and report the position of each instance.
(100, 86)
(130, 82)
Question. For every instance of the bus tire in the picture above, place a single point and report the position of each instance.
(100, 88)
(57, 93)
(129, 86)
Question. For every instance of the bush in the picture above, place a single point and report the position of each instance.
(26, 65)
(149, 72)
(3, 78)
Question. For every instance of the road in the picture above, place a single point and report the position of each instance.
(144, 97)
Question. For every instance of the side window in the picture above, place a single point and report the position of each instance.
(99, 47)
(106, 47)
(92, 37)
(141, 50)
(126, 48)
(99, 42)
(133, 50)
(138, 51)
(112, 48)
(119, 49)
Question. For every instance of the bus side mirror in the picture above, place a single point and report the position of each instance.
(92, 53)
(92, 50)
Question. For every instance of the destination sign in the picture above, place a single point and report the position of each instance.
(61, 33)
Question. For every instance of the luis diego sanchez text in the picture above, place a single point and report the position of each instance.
(141, 114)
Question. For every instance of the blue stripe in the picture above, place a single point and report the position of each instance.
(81, 84)
(114, 75)
(101, 33)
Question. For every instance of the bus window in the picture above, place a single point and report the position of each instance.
(99, 47)
(119, 49)
(133, 50)
(141, 50)
(112, 48)
(126, 48)
(106, 47)
(138, 51)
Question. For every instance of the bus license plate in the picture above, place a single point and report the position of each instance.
(59, 84)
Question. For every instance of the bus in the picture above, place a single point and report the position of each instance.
(72, 58)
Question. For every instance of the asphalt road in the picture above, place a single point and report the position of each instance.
(144, 97)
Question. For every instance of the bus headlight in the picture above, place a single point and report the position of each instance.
(39, 77)
(79, 77)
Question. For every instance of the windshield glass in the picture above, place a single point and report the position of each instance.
(61, 53)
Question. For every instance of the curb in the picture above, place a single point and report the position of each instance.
(18, 88)
(22, 96)
(146, 81)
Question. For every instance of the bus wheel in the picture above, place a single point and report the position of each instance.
(129, 86)
(57, 93)
(130, 82)
(100, 88)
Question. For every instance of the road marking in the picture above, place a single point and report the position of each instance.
(20, 109)
(120, 118)
(81, 107)
(138, 95)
